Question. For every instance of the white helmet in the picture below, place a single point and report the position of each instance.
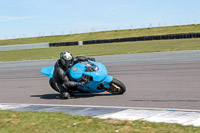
(66, 59)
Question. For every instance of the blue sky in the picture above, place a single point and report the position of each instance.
(29, 18)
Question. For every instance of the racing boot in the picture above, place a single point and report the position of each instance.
(65, 95)
(68, 95)
(71, 93)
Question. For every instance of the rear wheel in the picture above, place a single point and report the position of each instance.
(117, 87)
(52, 84)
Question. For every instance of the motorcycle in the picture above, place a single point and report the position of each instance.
(95, 76)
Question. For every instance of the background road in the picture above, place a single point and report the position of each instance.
(156, 80)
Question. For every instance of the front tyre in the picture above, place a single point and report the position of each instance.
(117, 87)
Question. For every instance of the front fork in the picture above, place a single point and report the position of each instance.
(106, 83)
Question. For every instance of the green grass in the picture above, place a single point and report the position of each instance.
(103, 49)
(106, 35)
(43, 122)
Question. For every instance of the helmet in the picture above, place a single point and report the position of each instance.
(66, 59)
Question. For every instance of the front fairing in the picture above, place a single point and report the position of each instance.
(76, 72)
(100, 74)
(98, 77)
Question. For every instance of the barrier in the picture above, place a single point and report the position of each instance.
(63, 44)
(129, 39)
(143, 38)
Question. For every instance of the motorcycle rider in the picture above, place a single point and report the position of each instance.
(61, 73)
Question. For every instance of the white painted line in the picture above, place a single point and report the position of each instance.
(194, 122)
(96, 106)
(131, 114)
(174, 117)
(12, 106)
(184, 118)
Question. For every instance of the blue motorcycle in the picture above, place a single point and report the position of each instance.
(95, 76)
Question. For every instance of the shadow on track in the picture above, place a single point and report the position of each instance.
(48, 96)
(77, 95)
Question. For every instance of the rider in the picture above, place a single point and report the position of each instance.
(61, 73)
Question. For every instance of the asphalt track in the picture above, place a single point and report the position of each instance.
(153, 80)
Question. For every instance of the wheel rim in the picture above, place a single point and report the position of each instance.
(115, 88)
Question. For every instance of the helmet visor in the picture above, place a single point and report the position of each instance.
(67, 63)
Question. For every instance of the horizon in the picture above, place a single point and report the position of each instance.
(100, 31)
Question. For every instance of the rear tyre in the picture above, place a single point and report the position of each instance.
(117, 87)
(52, 84)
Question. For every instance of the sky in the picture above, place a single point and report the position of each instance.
(32, 18)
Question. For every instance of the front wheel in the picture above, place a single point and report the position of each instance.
(117, 87)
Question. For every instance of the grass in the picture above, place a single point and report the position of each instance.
(103, 49)
(43, 122)
(106, 35)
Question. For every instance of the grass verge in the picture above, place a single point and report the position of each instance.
(106, 35)
(43, 122)
(103, 49)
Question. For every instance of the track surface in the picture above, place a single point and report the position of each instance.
(155, 80)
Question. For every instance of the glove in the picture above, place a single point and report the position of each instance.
(92, 59)
(81, 84)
